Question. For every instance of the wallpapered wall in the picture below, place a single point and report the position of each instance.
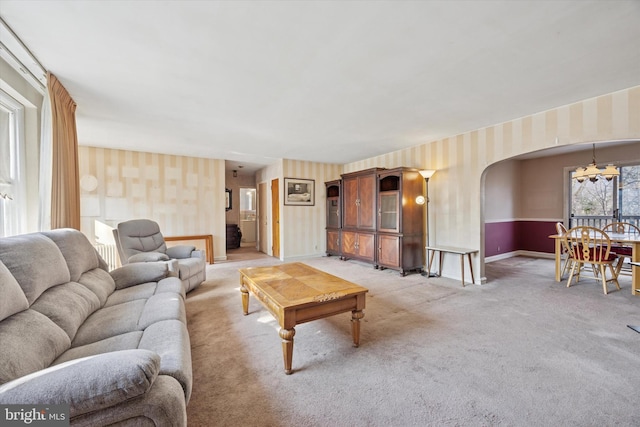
(456, 190)
(185, 195)
(303, 227)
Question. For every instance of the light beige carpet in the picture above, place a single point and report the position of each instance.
(521, 350)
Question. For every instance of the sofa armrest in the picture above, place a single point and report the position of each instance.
(137, 273)
(180, 251)
(87, 384)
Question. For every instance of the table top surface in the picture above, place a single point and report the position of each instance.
(295, 284)
(614, 237)
(452, 249)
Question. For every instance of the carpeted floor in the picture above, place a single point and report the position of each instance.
(521, 350)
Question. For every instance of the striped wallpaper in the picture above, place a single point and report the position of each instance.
(303, 227)
(185, 195)
(456, 190)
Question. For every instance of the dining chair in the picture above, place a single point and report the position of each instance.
(622, 251)
(561, 231)
(590, 245)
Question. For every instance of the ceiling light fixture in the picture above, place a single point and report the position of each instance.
(592, 172)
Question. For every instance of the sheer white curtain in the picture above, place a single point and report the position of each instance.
(46, 167)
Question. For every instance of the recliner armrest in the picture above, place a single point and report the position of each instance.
(87, 384)
(148, 257)
(180, 251)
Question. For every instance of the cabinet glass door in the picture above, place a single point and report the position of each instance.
(389, 210)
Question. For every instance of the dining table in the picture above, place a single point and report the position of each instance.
(624, 239)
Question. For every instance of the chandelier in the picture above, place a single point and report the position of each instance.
(592, 172)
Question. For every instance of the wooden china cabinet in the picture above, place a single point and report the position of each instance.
(359, 220)
(400, 220)
(372, 216)
(334, 220)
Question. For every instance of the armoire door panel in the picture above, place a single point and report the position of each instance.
(349, 243)
(367, 246)
(389, 250)
(367, 196)
(350, 203)
(333, 242)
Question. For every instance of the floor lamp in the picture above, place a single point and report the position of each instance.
(426, 174)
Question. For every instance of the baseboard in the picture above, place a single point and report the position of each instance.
(532, 254)
(303, 257)
(501, 256)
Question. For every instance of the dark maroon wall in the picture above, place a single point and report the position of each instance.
(510, 236)
(500, 238)
(534, 236)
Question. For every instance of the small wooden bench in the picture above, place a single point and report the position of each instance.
(208, 243)
(452, 250)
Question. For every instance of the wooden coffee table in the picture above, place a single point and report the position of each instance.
(296, 293)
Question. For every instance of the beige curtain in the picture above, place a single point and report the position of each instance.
(65, 180)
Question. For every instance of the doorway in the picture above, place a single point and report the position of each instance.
(248, 216)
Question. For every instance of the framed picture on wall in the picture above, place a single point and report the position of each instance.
(227, 199)
(299, 192)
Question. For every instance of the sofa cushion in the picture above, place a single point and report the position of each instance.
(13, 299)
(165, 306)
(35, 261)
(68, 305)
(170, 339)
(99, 282)
(142, 291)
(30, 342)
(79, 253)
(126, 341)
(110, 321)
(171, 285)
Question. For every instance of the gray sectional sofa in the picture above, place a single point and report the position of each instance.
(114, 346)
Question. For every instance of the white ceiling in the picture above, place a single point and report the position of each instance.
(326, 81)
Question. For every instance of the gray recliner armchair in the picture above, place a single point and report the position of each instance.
(140, 240)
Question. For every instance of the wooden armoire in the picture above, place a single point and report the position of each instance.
(373, 216)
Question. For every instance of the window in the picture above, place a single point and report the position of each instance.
(12, 194)
(601, 202)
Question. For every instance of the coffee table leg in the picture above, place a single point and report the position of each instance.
(245, 298)
(287, 348)
(356, 315)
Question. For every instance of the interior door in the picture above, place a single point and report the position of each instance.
(275, 214)
(263, 219)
